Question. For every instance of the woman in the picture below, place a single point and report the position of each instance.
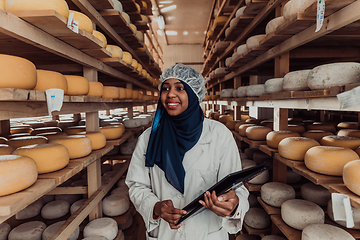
(180, 157)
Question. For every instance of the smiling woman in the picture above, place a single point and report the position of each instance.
(174, 97)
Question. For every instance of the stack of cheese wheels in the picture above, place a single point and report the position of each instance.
(77, 85)
(348, 125)
(329, 160)
(30, 211)
(122, 93)
(355, 213)
(276, 193)
(292, 7)
(4, 230)
(273, 24)
(96, 89)
(242, 128)
(101, 37)
(295, 128)
(225, 118)
(59, 6)
(50, 230)
(26, 140)
(113, 131)
(17, 72)
(98, 139)
(55, 209)
(57, 81)
(52, 135)
(37, 131)
(315, 193)
(322, 126)
(325, 231)
(257, 132)
(116, 51)
(111, 92)
(106, 227)
(84, 21)
(273, 138)
(74, 130)
(16, 173)
(29, 231)
(48, 157)
(296, 81)
(294, 148)
(298, 213)
(351, 176)
(78, 146)
(115, 205)
(257, 218)
(340, 141)
(316, 134)
(127, 57)
(349, 132)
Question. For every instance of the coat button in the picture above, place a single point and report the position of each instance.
(179, 196)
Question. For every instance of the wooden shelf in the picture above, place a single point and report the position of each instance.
(255, 6)
(101, 4)
(253, 187)
(289, 232)
(268, 150)
(269, 209)
(128, 134)
(252, 143)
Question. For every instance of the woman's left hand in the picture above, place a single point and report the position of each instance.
(222, 205)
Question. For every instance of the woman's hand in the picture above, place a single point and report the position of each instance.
(222, 205)
(165, 209)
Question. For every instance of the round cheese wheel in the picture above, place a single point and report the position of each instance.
(334, 74)
(329, 160)
(322, 126)
(294, 148)
(3, 140)
(340, 141)
(96, 89)
(76, 205)
(225, 118)
(29, 231)
(296, 81)
(325, 231)
(127, 57)
(349, 133)
(134, 63)
(52, 135)
(355, 213)
(122, 92)
(257, 218)
(59, 6)
(259, 157)
(101, 37)
(348, 125)
(276, 193)
(241, 91)
(351, 176)
(115, 205)
(121, 190)
(37, 131)
(112, 132)
(242, 49)
(50, 230)
(4, 230)
(315, 193)
(70, 198)
(261, 178)
(78, 146)
(254, 41)
(255, 90)
(135, 94)
(273, 24)
(98, 139)
(77, 85)
(48, 157)
(240, 11)
(126, 224)
(74, 130)
(292, 7)
(316, 134)
(17, 72)
(295, 128)
(243, 127)
(84, 21)
(140, 36)
(257, 132)
(106, 227)
(26, 140)
(252, 199)
(132, 123)
(30, 211)
(111, 92)
(232, 123)
(274, 85)
(126, 17)
(117, 6)
(57, 81)
(298, 213)
(128, 93)
(226, 93)
(6, 149)
(273, 138)
(273, 237)
(116, 51)
(55, 209)
(139, 67)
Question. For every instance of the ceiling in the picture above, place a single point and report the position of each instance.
(186, 19)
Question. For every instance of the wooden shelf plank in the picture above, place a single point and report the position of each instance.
(253, 187)
(98, 53)
(341, 188)
(121, 140)
(102, 4)
(331, 7)
(318, 179)
(269, 209)
(296, 24)
(289, 232)
(287, 162)
(273, 39)
(259, 232)
(268, 150)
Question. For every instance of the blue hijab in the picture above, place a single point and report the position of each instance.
(172, 136)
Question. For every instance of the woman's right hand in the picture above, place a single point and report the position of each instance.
(165, 210)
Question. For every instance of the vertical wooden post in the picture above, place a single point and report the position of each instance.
(77, 117)
(323, 116)
(280, 119)
(237, 82)
(5, 127)
(130, 109)
(282, 65)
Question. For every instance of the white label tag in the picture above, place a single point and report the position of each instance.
(54, 99)
(342, 209)
(72, 24)
(320, 14)
(349, 98)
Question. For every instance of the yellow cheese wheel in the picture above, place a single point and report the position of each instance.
(257, 132)
(50, 79)
(134, 63)
(98, 139)
(52, 135)
(111, 92)
(133, 28)
(329, 160)
(21, 130)
(144, 72)
(96, 89)
(59, 6)
(77, 145)
(16, 173)
(139, 67)
(138, 7)
(220, 19)
(253, 121)
(100, 36)
(126, 17)
(37, 131)
(48, 157)
(77, 85)
(139, 35)
(273, 138)
(116, 51)
(351, 176)
(128, 93)
(238, 124)
(348, 125)
(144, 4)
(243, 127)
(225, 118)
(127, 58)
(340, 141)
(27, 140)
(244, 117)
(141, 96)
(74, 130)
(349, 132)
(294, 148)
(3, 140)
(295, 128)
(122, 93)
(84, 21)
(322, 126)
(316, 134)
(2, 4)
(113, 132)
(232, 124)
(135, 94)
(6, 149)
(17, 72)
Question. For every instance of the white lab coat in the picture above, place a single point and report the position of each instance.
(214, 156)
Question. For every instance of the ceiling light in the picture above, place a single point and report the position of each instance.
(161, 6)
(165, 2)
(170, 18)
(160, 21)
(168, 9)
(185, 33)
(171, 33)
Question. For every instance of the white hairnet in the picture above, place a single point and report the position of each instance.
(188, 75)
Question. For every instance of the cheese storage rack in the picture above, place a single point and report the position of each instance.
(293, 46)
(29, 34)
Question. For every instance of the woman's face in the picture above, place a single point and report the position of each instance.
(174, 97)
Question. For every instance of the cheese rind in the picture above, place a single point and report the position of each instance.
(4, 230)
(50, 230)
(77, 85)
(29, 231)
(294, 6)
(6, 149)
(116, 51)
(111, 92)
(115, 205)
(112, 132)
(315, 193)
(340, 141)
(84, 21)
(106, 227)
(55, 209)
(276, 193)
(257, 133)
(57, 81)
(101, 37)
(257, 218)
(98, 139)
(30, 211)
(78, 146)
(273, 138)
(294, 148)
(325, 231)
(296, 81)
(96, 89)
(351, 176)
